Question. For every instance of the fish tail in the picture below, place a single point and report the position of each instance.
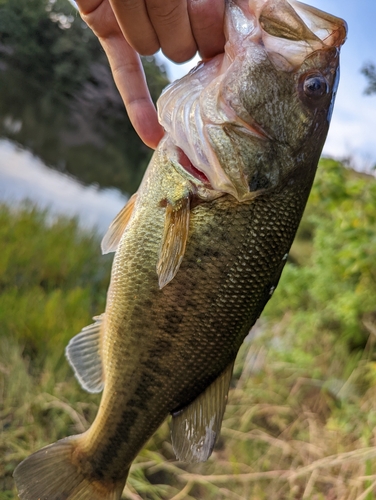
(51, 474)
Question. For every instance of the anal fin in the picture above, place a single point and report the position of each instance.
(196, 428)
(174, 240)
(83, 354)
(117, 227)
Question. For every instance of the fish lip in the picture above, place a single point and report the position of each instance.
(294, 30)
(315, 23)
(337, 33)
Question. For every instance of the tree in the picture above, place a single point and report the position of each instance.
(55, 81)
(369, 71)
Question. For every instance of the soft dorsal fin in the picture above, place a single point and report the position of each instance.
(83, 354)
(117, 227)
(174, 240)
(196, 428)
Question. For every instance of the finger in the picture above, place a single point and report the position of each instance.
(87, 6)
(135, 24)
(171, 22)
(207, 18)
(99, 16)
(126, 68)
(130, 80)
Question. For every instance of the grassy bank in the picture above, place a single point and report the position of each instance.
(302, 411)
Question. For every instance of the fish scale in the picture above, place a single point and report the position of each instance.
(203, 321)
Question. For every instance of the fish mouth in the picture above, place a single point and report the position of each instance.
(201, 110)
(291, 30)
(331, 30)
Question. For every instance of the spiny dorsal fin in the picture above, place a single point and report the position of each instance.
(117, 227)
(83, 354)
(174, 240)
(195, 430)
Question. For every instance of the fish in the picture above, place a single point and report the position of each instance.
(200, 248)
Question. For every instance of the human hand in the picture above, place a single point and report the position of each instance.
(127, 28)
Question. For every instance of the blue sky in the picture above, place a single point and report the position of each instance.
(353, 128)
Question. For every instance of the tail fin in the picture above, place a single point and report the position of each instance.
(49, 474)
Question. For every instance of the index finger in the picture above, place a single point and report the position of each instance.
(126, 68)
(99, 16)
(130, 80)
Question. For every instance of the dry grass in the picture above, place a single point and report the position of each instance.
(283, 437)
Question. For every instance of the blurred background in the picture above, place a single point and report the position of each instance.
(300, 422)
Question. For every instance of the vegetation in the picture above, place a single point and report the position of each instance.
(58, 98)
(369, 71)
(302, 411)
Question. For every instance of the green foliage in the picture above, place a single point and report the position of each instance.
(52, 279)
(336, 288)
(301, 417)
(369, 71)
(56, 83)
(46, 40)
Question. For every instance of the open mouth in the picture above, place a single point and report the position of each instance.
(331, 30)
(294, 30)
(200, 110)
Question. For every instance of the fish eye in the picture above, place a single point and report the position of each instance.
(315, 86)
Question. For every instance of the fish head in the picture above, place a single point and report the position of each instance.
(259, 114)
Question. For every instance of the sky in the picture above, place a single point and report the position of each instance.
(353, 128)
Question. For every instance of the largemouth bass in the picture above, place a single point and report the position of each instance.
(200, 248)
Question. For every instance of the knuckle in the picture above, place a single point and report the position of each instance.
(207, 13)
(180, 55)
(130, 4)
(145, 49)
(167, 13)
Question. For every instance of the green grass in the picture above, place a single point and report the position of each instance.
(301, 418)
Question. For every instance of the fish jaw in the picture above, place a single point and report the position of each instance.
(330, 29)
(213, 113)
(288, 28)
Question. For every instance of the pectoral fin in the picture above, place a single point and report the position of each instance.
(195, 430)
(174, 240)
(83, 354)
(115, 231)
